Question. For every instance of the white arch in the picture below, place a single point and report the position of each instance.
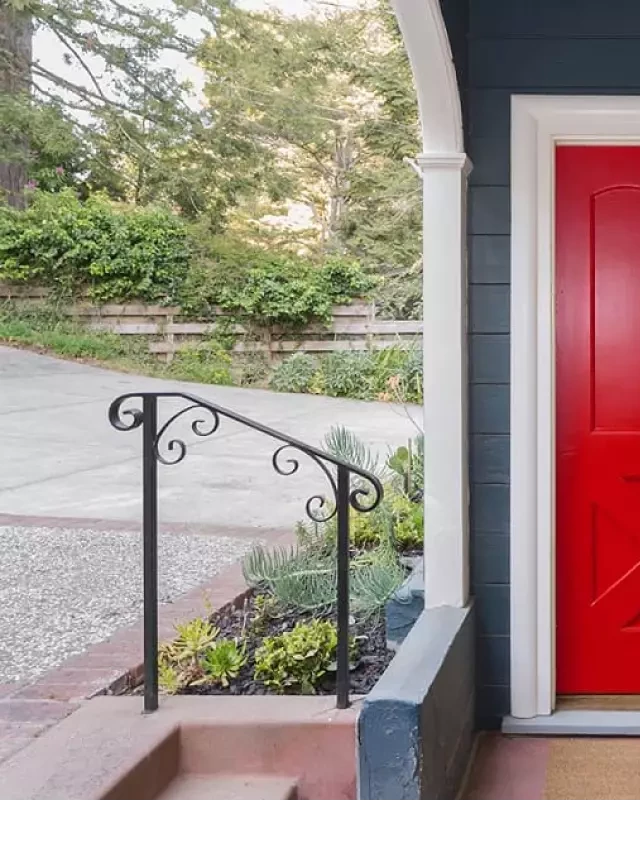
(444, 167)
(427, 43)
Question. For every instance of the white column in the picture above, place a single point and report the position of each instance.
(445, 379)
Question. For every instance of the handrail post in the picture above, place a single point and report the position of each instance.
(342, 673)
(150, 549)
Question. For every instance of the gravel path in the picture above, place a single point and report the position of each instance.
(61, 590)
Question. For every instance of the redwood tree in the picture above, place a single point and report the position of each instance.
(16, 33)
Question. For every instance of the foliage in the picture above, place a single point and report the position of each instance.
(193, 640)
(223, 661)
(345, 445)
(295, 374)
(408, 463)
(391, 374)
(304, 577)
(315, 112)
(266, 287)
(297, 658)
(196, 656)
(39, 137)
(265, 608)
(376, 575)
(346, 374)
(328, 99)
(46, 328)
(206, 362)
(407, 522)
(107, 252)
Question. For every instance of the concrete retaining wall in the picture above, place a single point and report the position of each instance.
(415, 729)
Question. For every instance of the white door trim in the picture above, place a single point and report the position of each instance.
(538, 124)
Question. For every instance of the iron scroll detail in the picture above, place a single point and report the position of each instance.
(350, 487)
(365, 496)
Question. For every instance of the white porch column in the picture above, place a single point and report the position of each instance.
(445, 379)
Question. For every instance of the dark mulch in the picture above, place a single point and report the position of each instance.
(373, 655)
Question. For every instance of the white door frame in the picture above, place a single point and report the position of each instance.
(538, 124)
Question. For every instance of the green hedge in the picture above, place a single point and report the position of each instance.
(110, 252)
(106, 252)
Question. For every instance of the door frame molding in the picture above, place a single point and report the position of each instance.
(538, 124)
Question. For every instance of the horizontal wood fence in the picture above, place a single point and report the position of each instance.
(353, 327)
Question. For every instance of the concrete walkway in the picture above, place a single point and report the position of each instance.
(61, 458)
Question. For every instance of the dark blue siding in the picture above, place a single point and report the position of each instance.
(513, 46)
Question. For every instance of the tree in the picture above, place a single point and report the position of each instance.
(328, 100)
(15, 60)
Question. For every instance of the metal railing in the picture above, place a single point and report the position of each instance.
(363, 494)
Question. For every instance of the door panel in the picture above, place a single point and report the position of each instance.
(598, 419)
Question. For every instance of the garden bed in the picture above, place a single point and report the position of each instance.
(371, 660)
(257, 618)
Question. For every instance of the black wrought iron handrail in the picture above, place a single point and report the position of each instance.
(362, 494)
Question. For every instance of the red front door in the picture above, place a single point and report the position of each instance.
(598, 419)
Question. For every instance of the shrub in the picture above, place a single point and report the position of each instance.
(397, 374)
(298, 658)
(105, 251)
(394, 373)
(407, 522)
(295, 374)
(207, 362)
(346, 374)
(268, 288)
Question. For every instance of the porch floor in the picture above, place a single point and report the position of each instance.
(537, 768)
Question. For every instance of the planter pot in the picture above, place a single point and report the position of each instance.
(405, 606)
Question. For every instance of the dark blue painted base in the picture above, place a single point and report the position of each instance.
(415, 730)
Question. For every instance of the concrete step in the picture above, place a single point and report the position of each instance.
(199, 786)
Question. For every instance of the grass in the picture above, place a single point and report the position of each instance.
(47, 329)
(385, 375)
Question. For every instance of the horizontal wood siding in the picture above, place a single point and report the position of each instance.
(528, 47)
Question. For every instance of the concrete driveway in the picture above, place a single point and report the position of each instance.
(61, 458)
(70, 498)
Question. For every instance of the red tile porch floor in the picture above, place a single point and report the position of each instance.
(567, 768)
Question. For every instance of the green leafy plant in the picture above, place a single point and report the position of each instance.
(169, 680)
(295, 374)
(346, 374)
(298, 658)
(268, 287)
(407, 522)
(207, 362)
(196, 657)
(104, 251)
(223, 661)
(408, 463)
(265, 608)
(193, 639)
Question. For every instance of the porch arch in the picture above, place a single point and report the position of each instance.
(427, 44)
(444, 167)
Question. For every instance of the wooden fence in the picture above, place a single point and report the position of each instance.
(353, 327)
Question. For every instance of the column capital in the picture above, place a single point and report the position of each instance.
(439, 160)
